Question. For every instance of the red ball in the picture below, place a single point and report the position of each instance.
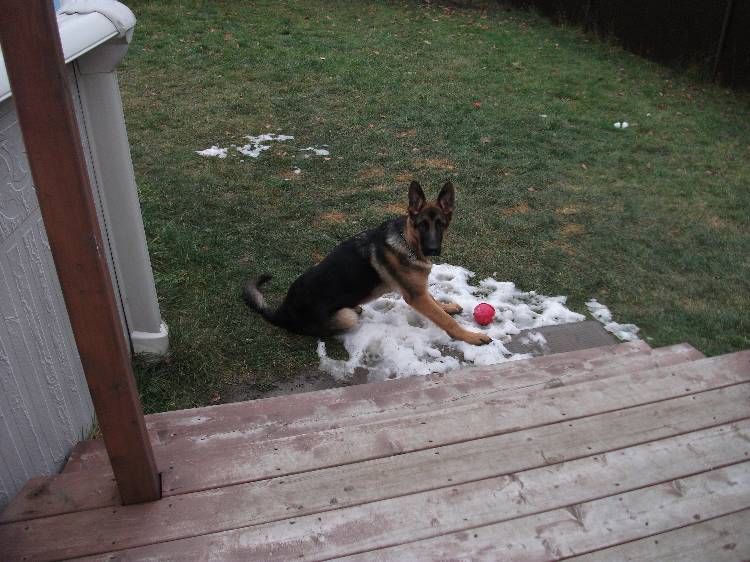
(484, 313)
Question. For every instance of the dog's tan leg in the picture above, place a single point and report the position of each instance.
(425, 304)
(344, 319)
(449, 307)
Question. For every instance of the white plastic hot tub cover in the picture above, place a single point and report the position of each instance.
(119, 14)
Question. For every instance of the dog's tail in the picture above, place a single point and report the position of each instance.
(255, 300)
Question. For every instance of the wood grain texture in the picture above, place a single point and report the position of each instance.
(309, 413)
(210, 464)
(723, 539)
(224, 509)
(663, 482)
(216, 461)
(383, 394)
(31, 43)
(588, 526)
(79, 456)
(316, 411)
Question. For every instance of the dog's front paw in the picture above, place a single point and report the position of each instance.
(476, 338)
(451, 308)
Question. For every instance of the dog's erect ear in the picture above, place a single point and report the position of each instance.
(447, 199)
(416, 198)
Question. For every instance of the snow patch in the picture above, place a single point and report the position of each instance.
(258, 144)
(393, 340)
(316, 151)
(624, 332)
(213, 151)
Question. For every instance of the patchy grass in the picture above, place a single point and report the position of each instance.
(651, 220)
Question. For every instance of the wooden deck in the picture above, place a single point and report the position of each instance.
(614, 453)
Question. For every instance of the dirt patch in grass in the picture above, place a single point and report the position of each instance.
(333, 216)
(381, 187)
(395, 209)
(521, 209)
(409, 134)
(436, 164)
(568, 210)
(562, 246)
(371, 173)
(405, 177)
(573, 229)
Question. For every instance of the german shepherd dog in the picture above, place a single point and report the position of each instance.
(326, 299)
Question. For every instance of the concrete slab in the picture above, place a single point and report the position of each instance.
(564, 337)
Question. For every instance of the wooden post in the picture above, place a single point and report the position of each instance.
(36, 69)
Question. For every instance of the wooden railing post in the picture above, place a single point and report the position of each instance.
(33, 58)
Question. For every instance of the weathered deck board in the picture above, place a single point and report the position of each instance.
(723, 539)
(288, 406)
(303, 413)
(220, 462)
(475, 384)
(87, 454)
(569, 492)
(615, 459)
(314, 492)
(587, 526)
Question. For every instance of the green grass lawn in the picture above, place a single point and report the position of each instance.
(518, 113)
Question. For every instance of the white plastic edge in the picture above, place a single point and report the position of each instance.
(154, 343)
(79, 34)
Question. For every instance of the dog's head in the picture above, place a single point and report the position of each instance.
(429, 220)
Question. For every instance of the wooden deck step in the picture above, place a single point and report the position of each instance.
(665, 483)
(723, 539)
(578, 527)
(217, 461)
(539, 471)
(285, 416)
(221, 461)
(593, 422)
(96, 488)
(360, 483)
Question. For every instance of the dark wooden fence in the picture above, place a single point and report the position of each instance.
(712, 34)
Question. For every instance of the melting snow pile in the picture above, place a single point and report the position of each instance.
(393, 339)
(213, 151)
(316, 151)
(260, 143)
(625, 332)
(257, 145)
